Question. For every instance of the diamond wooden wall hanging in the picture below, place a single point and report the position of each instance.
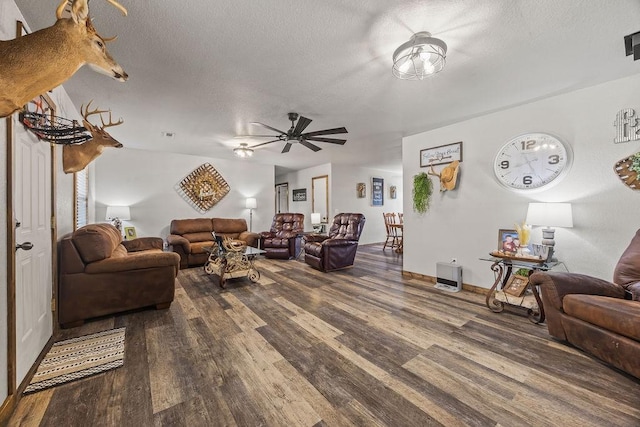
(203, 188)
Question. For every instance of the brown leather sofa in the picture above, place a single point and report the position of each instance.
(282, 240)
(338, 249)
(189, 237)
(100, 274)
(597, 316)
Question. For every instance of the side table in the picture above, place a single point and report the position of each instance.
(503, 268)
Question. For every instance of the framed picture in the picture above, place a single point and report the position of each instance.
(300, 195)
(508, 240)
(130, 233)
(377, 192)
(516, 285)
(393, 192)
(441, 155)
(361, 190)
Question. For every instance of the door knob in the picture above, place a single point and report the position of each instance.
(26, 246)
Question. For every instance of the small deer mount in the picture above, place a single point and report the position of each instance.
(77, 157)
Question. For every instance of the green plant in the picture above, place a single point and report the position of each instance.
(523, 272)
(635, 163)
(422, 189)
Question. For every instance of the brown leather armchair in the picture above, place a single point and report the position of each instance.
(99, 274)
(338, 249)
(282, 240)
(597, 316)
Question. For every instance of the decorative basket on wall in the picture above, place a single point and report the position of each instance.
(203, 188)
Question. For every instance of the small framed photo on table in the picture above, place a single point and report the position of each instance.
(130, 233)
(508, 241)
(516, 285)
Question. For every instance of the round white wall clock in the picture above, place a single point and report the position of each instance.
(533, 161)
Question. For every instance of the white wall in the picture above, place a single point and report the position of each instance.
(302, 179)
(344, 199)
(342, 195)
(464, 223)
(146, 181)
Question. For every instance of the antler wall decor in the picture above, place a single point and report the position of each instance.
(77, 157)
(32, 64)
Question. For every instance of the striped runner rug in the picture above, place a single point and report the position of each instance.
(80, 357)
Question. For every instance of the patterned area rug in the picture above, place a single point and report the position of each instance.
(80, 357)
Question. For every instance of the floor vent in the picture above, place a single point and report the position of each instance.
(448, 277)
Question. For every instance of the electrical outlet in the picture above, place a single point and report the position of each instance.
(454, 260)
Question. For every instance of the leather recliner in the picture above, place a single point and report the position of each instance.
(282, 241)
(338, 249)
(595, 315)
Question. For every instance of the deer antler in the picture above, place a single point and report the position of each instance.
(63, 4)
(118, 6)
(86, 113)
(111, 123)
(60, 9)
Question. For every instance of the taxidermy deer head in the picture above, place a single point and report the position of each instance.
(40, 61)
(77, 157)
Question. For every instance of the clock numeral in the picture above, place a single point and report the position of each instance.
(504, 164)
(527, 180)
(554, 159)
(528, 145)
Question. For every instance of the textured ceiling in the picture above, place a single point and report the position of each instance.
(205, 69)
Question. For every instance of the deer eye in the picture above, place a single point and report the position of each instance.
(100, 44)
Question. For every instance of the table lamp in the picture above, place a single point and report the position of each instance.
(251, 204)
(117, 214)
(315, 221)
(550, 215)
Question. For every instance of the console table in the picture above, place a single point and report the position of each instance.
(503, 268)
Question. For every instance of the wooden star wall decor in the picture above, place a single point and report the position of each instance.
(203, 188)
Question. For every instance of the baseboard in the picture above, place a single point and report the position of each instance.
(432, 280)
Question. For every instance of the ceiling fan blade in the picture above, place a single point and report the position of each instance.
(310, 145)
(264, 143)
(268, 127)
(287, 147)
(325, 132)
(302, 124)
(256, 136)
(329, 140)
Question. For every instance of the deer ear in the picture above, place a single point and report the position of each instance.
(79, 10)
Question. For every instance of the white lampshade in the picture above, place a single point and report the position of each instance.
(315, 218)
(550, 214)
(119, 212)
(251, 203)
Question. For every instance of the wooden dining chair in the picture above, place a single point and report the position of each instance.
(392, 236)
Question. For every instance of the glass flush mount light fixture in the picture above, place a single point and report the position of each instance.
(420, 57)
(243, 151)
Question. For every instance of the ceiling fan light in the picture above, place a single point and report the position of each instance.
(420, 57)
(243, 151)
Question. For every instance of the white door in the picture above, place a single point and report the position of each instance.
(32, 210)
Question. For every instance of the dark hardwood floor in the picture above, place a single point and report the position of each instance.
(364, 346)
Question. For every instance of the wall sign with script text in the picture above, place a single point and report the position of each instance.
(441, 155)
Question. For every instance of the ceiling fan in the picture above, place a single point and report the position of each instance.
(295, 135)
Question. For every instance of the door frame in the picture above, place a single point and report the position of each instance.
(14, 391)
